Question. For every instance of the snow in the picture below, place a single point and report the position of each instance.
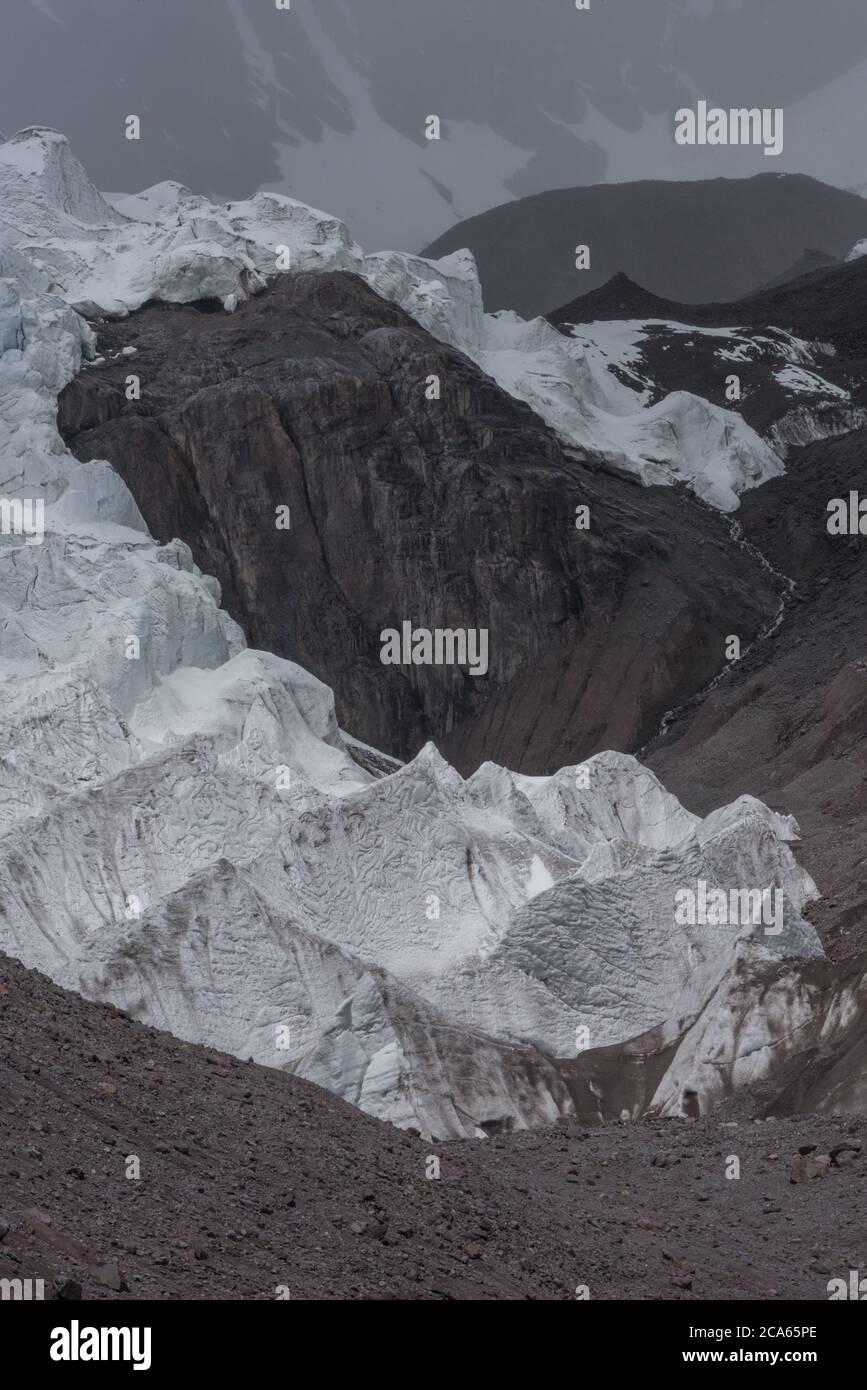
(110, 256)
(803, 382)
(184, 830)
(152, 203)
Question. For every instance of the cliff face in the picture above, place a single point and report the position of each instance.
(457, 513)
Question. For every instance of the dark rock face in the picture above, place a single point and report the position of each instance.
(674, 237)
(456, 513)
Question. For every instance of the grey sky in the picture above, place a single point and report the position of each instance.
(328, 101)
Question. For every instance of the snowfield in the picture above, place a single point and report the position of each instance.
(186, 832)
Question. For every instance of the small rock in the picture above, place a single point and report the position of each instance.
(846, 1152)
(807, 1167)
(68, 1290)
(110, 1277)
(844, 1157)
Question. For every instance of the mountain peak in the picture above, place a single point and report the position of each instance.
(619, 297)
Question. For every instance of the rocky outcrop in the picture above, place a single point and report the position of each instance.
(451, 513)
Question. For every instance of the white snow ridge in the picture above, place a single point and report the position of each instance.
(111, 256)
(184, 829)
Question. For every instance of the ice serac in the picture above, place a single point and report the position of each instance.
(187, 833)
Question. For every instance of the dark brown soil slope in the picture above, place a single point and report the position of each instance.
(253, 1182)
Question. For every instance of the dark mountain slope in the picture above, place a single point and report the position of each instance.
(252, 1182)
(690, 241)
(827, 307)
(804, 265)
(789, 723)
(829, 304)
(619, 298)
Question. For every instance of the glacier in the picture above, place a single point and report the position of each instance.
(187, 833)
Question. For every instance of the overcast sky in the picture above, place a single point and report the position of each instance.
(328, 101)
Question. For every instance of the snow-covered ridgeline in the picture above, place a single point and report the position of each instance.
(184, 829)
(166, 243)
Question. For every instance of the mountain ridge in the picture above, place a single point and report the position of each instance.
(674, 237)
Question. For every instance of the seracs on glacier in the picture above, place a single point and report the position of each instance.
(190, 835)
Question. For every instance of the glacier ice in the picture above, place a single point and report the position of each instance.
(184, 829)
